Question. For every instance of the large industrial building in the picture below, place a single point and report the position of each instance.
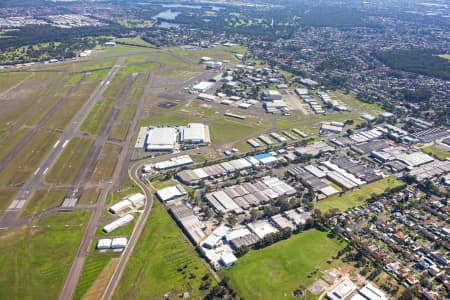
(169, 138)
(195, 133)
(161, 139)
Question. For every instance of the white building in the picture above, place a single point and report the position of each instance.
(162, 139)
(202, 86)
(171, 193)
(261, 228)
(215, 237)
(272, 95)
(119, 243)
(103, 244)
(118, 223)
(120, 206)
(196, 133)
(228, 259)
(137, 200)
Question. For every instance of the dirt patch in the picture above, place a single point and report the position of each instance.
(98, 287)
(167, 104)
(318, 286)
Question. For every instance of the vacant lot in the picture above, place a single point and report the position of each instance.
(27, 160)
(275, 272)
(162, 262)
(106, 163)
(42, 200)
(36, 258)
(69, 163)
(357, 197)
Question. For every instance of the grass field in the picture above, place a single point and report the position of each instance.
(228, 130)
(106, 163)
(35, 259)
(120, 128)
(24, 102)
(275, 272)
(438, 153)
(129, 187)
(89, 196)
(42, 200)
(11, 141)
(69, 163)
(138, 68)
(92, 268)
(75, 78)
(136, 41)
(152, 269)
(68, 110)
(11, 79)
(97, 117)
(354, 103)
(160, 184)
(28, 159)
(357, 197)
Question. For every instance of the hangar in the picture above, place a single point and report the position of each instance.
(195, 133)
(161, 139)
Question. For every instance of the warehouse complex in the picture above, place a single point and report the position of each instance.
(169, 139)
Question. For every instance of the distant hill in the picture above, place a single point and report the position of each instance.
(420, 61)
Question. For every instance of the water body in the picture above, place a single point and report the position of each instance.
(167, 15)
(194, 6)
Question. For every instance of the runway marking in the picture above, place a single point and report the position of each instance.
(65, 143)
(13, 205)
(45, 171)
(56, 144)
(37, 170)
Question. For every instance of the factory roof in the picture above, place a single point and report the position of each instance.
(415, 159)
(262, 228)
(222, 202)
(174, 162)
(162, 136)
(170, 193)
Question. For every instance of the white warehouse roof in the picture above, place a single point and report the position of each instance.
(196, 132)
(170, 193)
(120, 206)
(162, 137)
(104, 244)
(118, 223)
(118, 243)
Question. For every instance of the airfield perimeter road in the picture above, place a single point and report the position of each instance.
(134, 175)
(9, 217)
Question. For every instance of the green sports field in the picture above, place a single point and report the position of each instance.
(357, 197)
(275, 272)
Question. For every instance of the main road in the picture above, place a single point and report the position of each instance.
(10, 215)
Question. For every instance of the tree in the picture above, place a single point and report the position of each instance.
(232, 220)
